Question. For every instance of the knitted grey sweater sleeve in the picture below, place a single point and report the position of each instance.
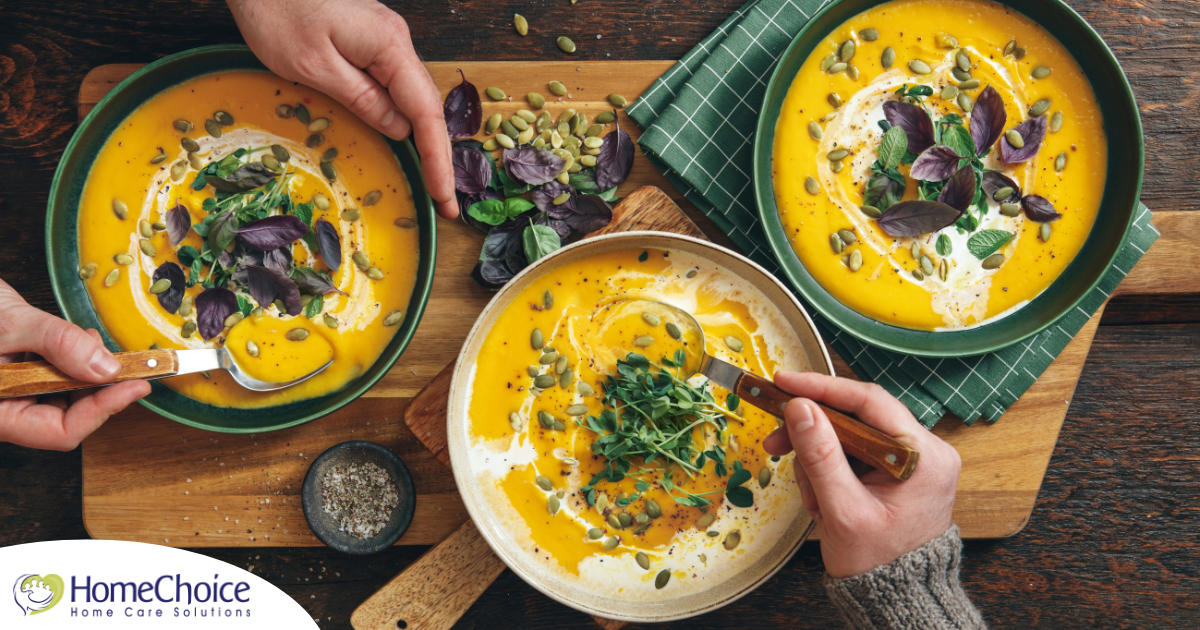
(918, 591)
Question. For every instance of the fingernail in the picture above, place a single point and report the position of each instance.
(388, 118)
(104, 363)
(800, 415)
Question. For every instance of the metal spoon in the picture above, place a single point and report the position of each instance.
(859, 440)
(39, 377)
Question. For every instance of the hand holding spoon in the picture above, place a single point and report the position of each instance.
(35, 378)
(859, 440)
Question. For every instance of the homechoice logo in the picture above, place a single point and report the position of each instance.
(110, 584)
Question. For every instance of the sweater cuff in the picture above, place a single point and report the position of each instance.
(919, 590)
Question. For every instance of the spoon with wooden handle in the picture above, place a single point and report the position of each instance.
(35, 378)
(873, 447)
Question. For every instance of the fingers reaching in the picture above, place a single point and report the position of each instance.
(819, 457)
(65, 345)
(50, 426)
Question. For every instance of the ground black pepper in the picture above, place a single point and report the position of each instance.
(360, 497)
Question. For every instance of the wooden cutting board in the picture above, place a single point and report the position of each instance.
(151, 480)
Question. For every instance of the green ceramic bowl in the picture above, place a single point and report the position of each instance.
(63, 255)
(1126, 157)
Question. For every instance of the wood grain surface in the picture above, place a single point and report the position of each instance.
(1112, 541)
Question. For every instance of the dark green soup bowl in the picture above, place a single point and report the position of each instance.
(1126, 156)
(63, 253)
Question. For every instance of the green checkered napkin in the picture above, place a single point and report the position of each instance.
(699, 121)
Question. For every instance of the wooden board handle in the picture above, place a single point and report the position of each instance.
(870, 445)
(435, 591)
(39, 377)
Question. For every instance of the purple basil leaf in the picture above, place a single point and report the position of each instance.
(331, 244)
(172, 297)
(313, 282)
(472, 171)
(993, 181)
(615, 159)
(532, 165)
(591, 214)
(212, 307)
(491, 274)
(272, 232)
(936, 164)
(1039, 209)
(179, 222)
(246, 177)
(543, 198)
(239, 257)
(1033, 131)
(266, 285)
(466, 201)
(960, 190)
(462, 110)
(987, 120)
(917, 218)
(279, 259)
(559, 226)
(914, 121)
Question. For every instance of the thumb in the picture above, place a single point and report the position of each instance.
(63, 344)
(819, 454)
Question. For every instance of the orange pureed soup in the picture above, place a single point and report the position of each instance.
(827, 152)
(327, 167)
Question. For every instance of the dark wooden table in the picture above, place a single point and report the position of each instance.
(1113, 539)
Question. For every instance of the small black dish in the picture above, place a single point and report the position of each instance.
(322, 524)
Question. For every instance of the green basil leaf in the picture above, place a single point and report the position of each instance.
(958, 138)
(985, 243)
(187, 254)
(489, 211)
(314, 307)
(895, 145)
(244, 305)
(516, 206)
(944, 246)
(741, 497)
(539, 241)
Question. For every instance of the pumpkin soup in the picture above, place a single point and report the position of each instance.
(937, 164)
(241, 210)
(621, 472)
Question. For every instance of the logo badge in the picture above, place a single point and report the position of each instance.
(37, 594)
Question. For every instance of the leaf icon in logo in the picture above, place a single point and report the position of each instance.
(37, 594)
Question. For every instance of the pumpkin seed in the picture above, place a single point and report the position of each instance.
(617, 100)
(1056, 122)
(944, 269)
(605, 117)
(1044, 232)
(375, 273)
(566, 45)
(268, 161)
(846, 50)
(533, 371)
(564, 179)
(406, 223)
(1040, 107)
(593, 142)
(838, 67)
(521, 24)
(945, 40)
(828, 62)
(1003, 193)
(158, 226)
(835, 100)
(302, 113)
(836, 167)
(918, 275)
(144, 229)
(160, 158)
(295, 334)
(314, 141)
(236, 317)
(964, 102)
(545, 419)
(919, 67)
(518, 123)
(393, 318)
(624, 519)
(552, 504)
(495, 93)
(329, 155)
(847, 236)
(1060, 162)
(814, 131)
(160, 286)
(213, 128)
(651, 318)
(1041, 72)
(560, 364)
(508, 128)
(515, 421)
(643, 341)
(963, 61)
(328, 170)
(949, 92)
(557, 88)
(372, 198)
(194, 161)
(837, 154)
(329, 320)
(189, 145)
(732, 540)
(870, 211)
(613, 521)
(888, 57)
(969, 84)
(279, 306)
(147, 247)
(584, 389)
(285, 111)
(544, 483)
(868, 34)
(112, 277)
(88, 271)
(320, 201)
(662, 578)
(856, 260)
(506, 141)
(927, 265)
(643, 560)
(185, 307)
(764, 477)
(361, 260)
(812, 186)
(916, 251)
(188, 329)
(223, 118)
(1010, 46)
(182, 126)
(320, 124)
(1010, 209)
(734, 343)
(577, 410)
(545, 381)
(547, 299)
(177, 171)
(611, 543)
(691, 273)
(602, 503)
(251, 348)
(994, 261)
(705, 520)
(595, 533)
(1014, 138)
(548, 358)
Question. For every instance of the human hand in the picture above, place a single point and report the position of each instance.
(58, 422)
(328, 45)
(867, 521)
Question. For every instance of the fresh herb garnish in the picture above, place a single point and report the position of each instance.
(985, 243)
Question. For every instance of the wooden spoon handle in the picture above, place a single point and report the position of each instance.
(39, 377)
(870, 445)
(435, 591)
